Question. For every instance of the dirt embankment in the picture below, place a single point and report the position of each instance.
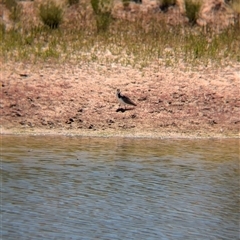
(81, 100)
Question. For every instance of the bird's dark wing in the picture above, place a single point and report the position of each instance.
(128, 101)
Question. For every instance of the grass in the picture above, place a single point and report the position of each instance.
(126, 4)
(103, 17)
(236, 8)
(125, 43)
(165, 4)
(192, 10)
(72, 2)
(10, 4)
(51, 14)
(14, 10)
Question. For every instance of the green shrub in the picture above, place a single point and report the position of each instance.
(72, 2)
(236, 8)
(126, 3)
(51, 14)
(102, 11)
(165, 4)
(2, 29)
(95, 6)
(16, 13)
(10, 4)
(103, 21)
(192, 10)
(137, 1)
(14, 8)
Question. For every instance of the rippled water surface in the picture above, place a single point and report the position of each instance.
(93, 188)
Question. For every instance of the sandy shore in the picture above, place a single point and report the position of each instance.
(80, 100)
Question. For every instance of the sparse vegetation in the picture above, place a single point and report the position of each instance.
(137, 1)
(236, 8)
(192, 10)
(102, 10)
(165, 4)
(10, 4)
(15, 14)
(123, 42)
(126, 3)
(15, 10)
(51, 14)
(131, 47)
(72, 2)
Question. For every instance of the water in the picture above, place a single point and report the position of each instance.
(92, 188)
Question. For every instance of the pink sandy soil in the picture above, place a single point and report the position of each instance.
(80, 100)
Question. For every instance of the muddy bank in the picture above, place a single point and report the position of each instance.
(80, 99)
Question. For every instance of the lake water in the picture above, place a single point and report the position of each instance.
(116, 188)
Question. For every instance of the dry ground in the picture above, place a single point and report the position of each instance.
(80, 99)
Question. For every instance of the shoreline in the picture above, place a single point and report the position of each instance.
(114, 134)
(77, 101)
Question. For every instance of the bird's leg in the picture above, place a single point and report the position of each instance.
(119, 106)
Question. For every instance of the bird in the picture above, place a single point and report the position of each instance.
(124, 99)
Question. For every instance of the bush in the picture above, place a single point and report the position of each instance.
(14, 8)
(102, 10)
(95, 6)
(165, 4)
(2, 29)
(192, 10)
(126, 3)
(10, 4)
(236, 8)
(72, 2)
(103, 21)
(137, 1)
(51, 14)
(16, 13)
